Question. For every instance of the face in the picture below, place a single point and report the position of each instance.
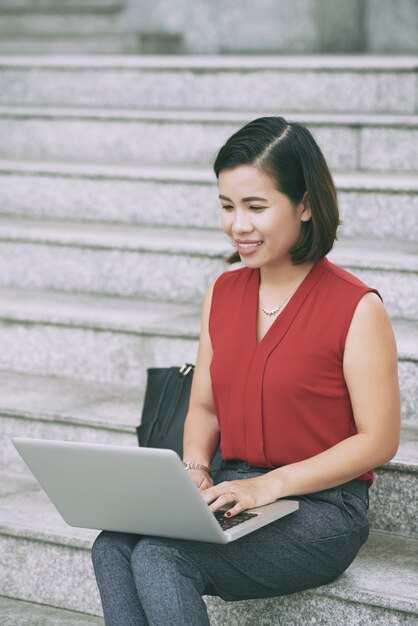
(252, 210)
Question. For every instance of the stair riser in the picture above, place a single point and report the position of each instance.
(369, 214)
(181, 277)
(127, 141)
(18, 613)
(297, 607)
(47, 24)
(50, 6)
(87, 354)
(393, 507)
(116, 357)
(294, 609)
(80, 44)
(17, 427)
(274, 90)
(49, 573)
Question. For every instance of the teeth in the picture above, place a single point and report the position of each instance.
(250, 245)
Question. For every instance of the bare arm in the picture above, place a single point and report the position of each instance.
(371, 373)
(201, 431)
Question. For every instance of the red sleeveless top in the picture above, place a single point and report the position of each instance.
(284, 399)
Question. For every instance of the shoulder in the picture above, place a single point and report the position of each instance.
(223, 283)
(346, 286)
(343, 277)
(229, 279)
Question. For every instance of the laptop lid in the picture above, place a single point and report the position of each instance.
(130, 489)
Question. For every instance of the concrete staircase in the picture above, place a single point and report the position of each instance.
(108, 238)
(78, 27)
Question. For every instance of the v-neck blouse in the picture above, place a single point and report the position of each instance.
(283, 399)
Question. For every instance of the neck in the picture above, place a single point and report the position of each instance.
(282, 277)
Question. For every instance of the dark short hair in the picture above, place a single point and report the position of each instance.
(288, 153)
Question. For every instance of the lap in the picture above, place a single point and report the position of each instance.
(305, 549)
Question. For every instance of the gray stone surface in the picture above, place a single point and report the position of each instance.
(391, 26)
(389, 149)
(49, 23)
(63, 401)
(29, 523)
(114, 340)
(165, 263)
(63, 578)
(281, 27)
(96, 355)
(59, 429)
(372, 205)
(72, 44)
(19, 613)
(67, 6)
(284, 88)
(392, 501)
(121, 136)
(367, 593)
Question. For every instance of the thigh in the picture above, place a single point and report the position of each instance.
(307, 548)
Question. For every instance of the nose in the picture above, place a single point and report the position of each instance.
(241, 222)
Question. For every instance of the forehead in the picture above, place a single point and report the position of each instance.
(244, 180)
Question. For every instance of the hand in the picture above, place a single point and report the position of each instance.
(201, 479)
(242, 494)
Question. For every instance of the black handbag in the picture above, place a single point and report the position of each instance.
(166, 403)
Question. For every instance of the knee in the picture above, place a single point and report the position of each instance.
(158, 559)
(109, 544)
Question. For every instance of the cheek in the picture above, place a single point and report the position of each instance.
(225, 221)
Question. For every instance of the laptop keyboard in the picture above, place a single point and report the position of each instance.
(228, 522)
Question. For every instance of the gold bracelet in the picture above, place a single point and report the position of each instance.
(190, 465)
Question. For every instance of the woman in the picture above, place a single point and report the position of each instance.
(296, 377)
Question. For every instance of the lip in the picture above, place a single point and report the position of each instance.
(247, 240)
(247, 251)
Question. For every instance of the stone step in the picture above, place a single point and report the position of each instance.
(33, 535)
(349, 141)
(114, 340)
(340, 83)
(96, 338)
(171, 263)
(56, 24)
(378, 589)
(393, 508)
(373, 205)
(20, 613)
(53, 408)
(105, 42)
(65, 6)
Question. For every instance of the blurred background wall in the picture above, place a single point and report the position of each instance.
(209, 27)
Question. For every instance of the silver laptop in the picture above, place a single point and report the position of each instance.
(136, 490)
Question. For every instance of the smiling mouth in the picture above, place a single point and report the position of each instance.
(249, 245)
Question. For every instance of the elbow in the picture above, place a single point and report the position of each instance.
(388, 451)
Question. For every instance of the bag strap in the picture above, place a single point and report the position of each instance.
(183, 371)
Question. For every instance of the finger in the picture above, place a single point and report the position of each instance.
(223, 500)
(216, 491)
(237, 508)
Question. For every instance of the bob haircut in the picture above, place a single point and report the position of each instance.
(287, 152)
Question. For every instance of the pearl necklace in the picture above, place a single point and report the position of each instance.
(277, 309)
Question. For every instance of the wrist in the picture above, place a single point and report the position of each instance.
(190, 465)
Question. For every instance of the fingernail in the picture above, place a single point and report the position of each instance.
(228, 513)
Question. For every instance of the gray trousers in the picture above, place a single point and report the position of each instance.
(156, 581)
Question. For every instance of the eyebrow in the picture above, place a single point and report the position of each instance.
(244, 199)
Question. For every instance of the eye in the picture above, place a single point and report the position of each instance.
(226, 207)
(257, 208)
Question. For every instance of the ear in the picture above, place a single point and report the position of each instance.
(306, 208)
